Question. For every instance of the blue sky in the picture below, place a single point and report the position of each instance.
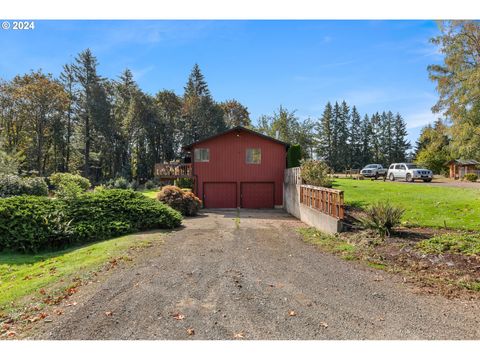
(375, 65)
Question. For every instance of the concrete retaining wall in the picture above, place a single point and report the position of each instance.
(310, 216)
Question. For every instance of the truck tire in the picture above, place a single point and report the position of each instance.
(391, 177)
(408, 178)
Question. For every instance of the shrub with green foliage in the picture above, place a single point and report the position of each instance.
(184, 183)
(14, 185)
(382, 217)
(294, 155)
(314, 172)
(150, 185)
(30, 224)
(459, 243)
(184, 201)
(66, 185)
(471, 177)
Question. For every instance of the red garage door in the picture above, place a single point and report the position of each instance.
(220, 195)
(257, 195)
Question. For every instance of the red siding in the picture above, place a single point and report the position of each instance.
(227, 162)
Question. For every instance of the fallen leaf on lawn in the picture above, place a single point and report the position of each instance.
(323, 324)
(5, 326)
(178, 316)
(58, 311)
(11, 333)
(190, 331)
(292, 313)
(381, 319)
(239, 335)
(72, 304)
(42, 291)
(108, 313)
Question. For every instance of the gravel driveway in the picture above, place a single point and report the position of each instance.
(254, 279)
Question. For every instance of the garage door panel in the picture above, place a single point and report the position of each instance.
(220, 195)
(258, 195)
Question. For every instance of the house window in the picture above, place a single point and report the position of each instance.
(254, 156)
(202, 155)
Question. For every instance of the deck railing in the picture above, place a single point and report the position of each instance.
(328, 201)
(173, 170)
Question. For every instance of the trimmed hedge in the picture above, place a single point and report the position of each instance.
(30, 224)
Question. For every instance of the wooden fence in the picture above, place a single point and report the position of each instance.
(292, 176)
(328, 201)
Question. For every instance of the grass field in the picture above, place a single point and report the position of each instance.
(152, 194)
(23, 275)
(429, 206)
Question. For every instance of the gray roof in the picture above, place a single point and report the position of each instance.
(465, 162)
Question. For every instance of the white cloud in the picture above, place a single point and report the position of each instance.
(419, 119)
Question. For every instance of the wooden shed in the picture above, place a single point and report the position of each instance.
(460, 167)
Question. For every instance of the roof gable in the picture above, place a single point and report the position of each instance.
(236, 128)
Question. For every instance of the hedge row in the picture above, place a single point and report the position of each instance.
(31, 223)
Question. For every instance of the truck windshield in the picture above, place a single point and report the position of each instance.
(370, 166)
(412, 166)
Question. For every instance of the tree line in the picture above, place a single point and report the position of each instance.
(82, 122)
(103, 128)
(346, 140)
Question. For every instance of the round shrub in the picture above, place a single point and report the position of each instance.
(121, 183)
(184, 201)
(315, 173)
(58, 180)
(382, 217)
(471, 177)
(14, 185)
(150, 185)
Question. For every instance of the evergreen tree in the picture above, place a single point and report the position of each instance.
(376, 140)
(366, 135)
(355, 140)
(202, 117)
(400, 142)
(343, 135)
(324, 132)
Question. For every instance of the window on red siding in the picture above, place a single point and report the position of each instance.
(253, 156)
(202, 155)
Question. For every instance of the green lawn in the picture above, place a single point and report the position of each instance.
(152, 194)
(430, 206)
(23, 276)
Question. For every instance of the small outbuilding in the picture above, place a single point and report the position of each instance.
(460, 167)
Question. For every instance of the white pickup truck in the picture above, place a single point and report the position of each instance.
(373, 171)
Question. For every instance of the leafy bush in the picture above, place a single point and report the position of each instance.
(294, 155)
(29, 223)
(14, 185)
(120, 183)
(184, 201)
(150, 185)
(26, 223)
(184, 183)
(467, 244)
(66, 185)
(133, 185)
(382, 217)
(471, 177)
(316, 173)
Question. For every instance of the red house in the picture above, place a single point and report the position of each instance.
(236, 168)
